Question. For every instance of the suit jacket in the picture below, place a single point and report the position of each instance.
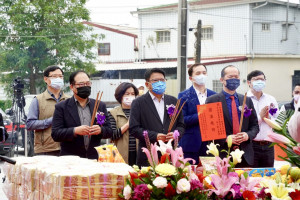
(66, 118)
(250, 126)
(144, 116)
(289, 106)
(191, 140)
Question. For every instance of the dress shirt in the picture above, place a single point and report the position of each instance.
(33, 122)
(201, 96)
(85, 119)
(159, 105)
(265, 100)
(228, 102)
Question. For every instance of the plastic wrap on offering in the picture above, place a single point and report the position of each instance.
(69, 177)
(109, 153)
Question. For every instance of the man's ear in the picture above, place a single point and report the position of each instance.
(191, 78)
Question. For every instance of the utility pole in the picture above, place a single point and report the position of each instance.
(198, 42)
(182, 48)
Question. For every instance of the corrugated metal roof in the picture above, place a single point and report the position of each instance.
(161, 64)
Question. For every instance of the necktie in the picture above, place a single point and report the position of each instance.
(235, 117)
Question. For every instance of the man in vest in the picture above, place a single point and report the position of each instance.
(41, 112)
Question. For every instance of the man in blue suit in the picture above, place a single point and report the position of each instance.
(191, 141)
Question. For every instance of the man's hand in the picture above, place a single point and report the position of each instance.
(82, 130)
(264, 112)
(239, 138)
(169, 136)
(95, 130)
(161, 136)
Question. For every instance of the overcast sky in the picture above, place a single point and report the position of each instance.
(117, 12)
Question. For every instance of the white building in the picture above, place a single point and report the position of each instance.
(265, 32)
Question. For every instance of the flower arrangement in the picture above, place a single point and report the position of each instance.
(100, 118)
(230, 183)
(282, 138)
(171, 177)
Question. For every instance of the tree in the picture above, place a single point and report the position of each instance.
(37, 33)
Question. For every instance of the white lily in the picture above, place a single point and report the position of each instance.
(229, 141)
(212, 148)
(163, 146)
(273, 124)
(237, 156)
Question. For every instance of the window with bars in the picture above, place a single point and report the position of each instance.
(265, 27)
(163, 36)
(207, 33)
(217, 86)
(103, 49)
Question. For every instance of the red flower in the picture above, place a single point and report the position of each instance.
(295, 195)
(165, 158)
(248, 195)
(170, 191)
(132, 177)
(201, 177)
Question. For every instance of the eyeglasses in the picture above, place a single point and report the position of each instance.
(56, 76)
(156, 80)
(83, 84)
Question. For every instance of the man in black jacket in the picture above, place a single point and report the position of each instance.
(231, 100)
(149, 112)
(72, 119)
(293, 103)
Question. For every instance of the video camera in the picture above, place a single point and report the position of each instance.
(18, 85)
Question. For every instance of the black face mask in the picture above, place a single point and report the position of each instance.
(84, 92)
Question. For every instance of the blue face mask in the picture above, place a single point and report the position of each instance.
(232, 84)
(159, 87)
(258, 85)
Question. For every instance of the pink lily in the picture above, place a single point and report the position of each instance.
(277, 138)
(222, 165)
(297, 150)
(246, 184)
(176, 156)
(223, 184)
(147, 152)
(154, 149)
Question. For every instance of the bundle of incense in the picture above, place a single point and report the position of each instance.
(96, 106)
(175, 114)
(242, 112)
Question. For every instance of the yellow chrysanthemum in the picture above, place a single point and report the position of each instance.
(165, 169)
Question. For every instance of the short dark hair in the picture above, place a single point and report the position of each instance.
(191, 68)
(223, 70)
(149, 72)
(121, 89)
(74, 74)
(254, 74)
(52, 68)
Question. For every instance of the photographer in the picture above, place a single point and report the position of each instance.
(41, 112)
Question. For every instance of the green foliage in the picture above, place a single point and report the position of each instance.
(4, 104)
(37, 33)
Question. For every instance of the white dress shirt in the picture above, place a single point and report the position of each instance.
(265, 100)
(201, 96)
(160, 106)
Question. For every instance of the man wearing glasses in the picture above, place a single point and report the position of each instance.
(41, 112)
(72, 119)
(266, 106)
(149, 113)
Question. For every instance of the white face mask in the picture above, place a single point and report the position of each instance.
(258, 85)
(297, 97)
(57, 83)
(128, 100)
(200, 79)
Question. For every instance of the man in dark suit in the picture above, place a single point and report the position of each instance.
(191, 141)
(72, 119)
(149, 112)
(230, 77)
(296, 97)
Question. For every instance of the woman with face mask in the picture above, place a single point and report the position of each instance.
(119, 119)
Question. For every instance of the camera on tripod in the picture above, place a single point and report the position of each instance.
(18, 85)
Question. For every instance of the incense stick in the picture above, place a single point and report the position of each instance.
(176, 114)
(242, 112)
(96, 106)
